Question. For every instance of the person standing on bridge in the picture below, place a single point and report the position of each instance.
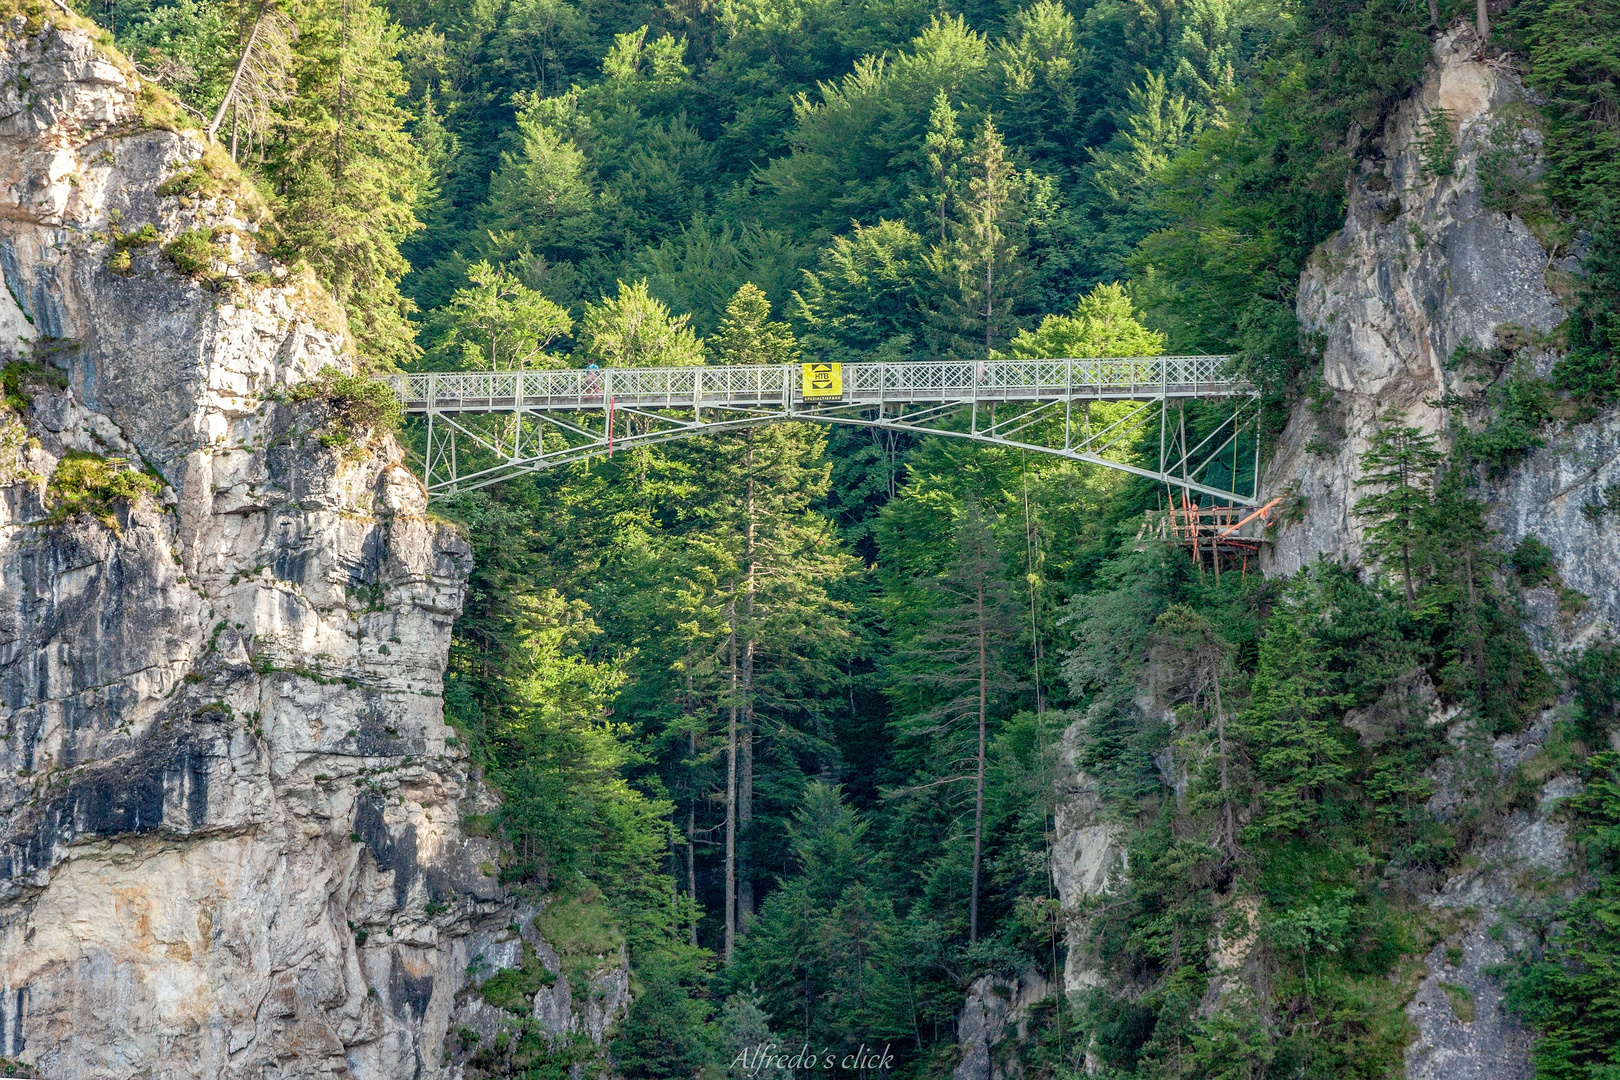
(593, 380)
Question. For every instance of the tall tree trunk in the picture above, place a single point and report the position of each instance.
(1482, 15)
(731, 792)
(691, 865)
(745, 784)
(1220, 741)
(691, 830)
(978, 804)
(236, 76)
(989, 284)
(1434, 14)
(343, 93)
(1406, 573)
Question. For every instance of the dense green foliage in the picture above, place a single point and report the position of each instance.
(1574, 52)
(786, 712)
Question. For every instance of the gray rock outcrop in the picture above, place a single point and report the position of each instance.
(230, 808)
(1420, 269)
(1088, 859)
(996, 1009)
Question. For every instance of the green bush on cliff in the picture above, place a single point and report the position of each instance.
(18, 379)
(358, 408)
(193, 253)
(92, 484)
(514, 988)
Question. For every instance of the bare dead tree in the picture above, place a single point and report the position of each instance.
(165, 70)
(260, 81)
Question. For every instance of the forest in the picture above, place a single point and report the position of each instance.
(785, 710)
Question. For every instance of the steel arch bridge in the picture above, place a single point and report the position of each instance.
(485, 427)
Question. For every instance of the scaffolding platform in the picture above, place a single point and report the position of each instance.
(1216, 534)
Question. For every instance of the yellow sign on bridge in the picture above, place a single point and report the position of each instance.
(823, 380)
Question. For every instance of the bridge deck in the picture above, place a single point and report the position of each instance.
(777, 386)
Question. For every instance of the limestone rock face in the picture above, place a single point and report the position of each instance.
(229, 804)
(1420, 268)
(1088, 857)
(1462, 1029)
(996, 1009)
(1547, 497)
(489, 1039)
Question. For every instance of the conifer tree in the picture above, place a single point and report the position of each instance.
(345, 172)
(259, 81)
(943, 148)
(1400, 464)
(746, 335)
(1189, 643)
(978, 266)
(784, 558)
(861, 300)
(1040, 65)
(1291, 726)
(542, 198)
(819, 940)
(961, 661)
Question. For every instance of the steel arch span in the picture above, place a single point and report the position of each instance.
(485, 427)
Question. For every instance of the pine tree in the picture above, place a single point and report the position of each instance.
(943, 148)
(542, 198)
(1188, 645)
(961, 662)
(1400, 463)
(978, 268)
(785, 559)
(1291, 726)
(346, 174)
(747, 335)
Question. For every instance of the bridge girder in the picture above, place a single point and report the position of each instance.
(485, 427)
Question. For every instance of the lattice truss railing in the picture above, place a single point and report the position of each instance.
(478, 428)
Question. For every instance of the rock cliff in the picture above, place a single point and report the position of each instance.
(230, 839)
(1423, 268)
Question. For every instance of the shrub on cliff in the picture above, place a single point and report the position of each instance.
(358, 409)
(91, 484)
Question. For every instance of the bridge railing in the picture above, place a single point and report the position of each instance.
(920, 380)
